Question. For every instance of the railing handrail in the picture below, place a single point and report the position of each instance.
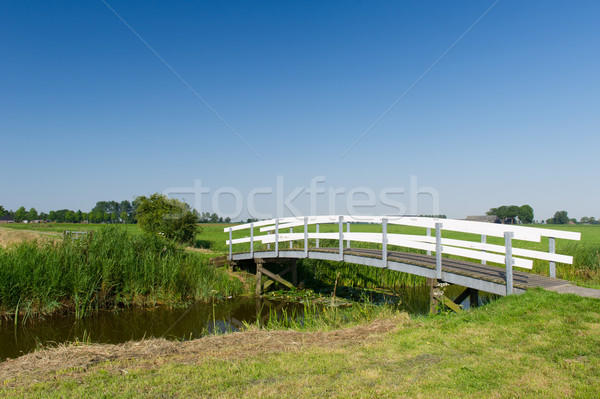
(508, 254)
(464, 226)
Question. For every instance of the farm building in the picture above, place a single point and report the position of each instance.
(6, 219)
(483, 218)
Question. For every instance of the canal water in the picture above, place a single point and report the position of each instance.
(183, 324)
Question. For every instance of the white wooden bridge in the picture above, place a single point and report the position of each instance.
(265, 241)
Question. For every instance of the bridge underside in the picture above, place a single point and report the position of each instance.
(471, 275)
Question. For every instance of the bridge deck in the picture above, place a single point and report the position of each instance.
(473, 275)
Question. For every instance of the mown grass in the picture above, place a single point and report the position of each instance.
(107, 269)
(536, 345)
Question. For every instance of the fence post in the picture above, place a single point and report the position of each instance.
(428, 235)
(230, 245)
(552, 249)
(277, 238)
(305, 237)
(252, 240)
(317, 235)
(509, 262)
(483, 241)
(341, 231)
(438, 251)
(384, 242)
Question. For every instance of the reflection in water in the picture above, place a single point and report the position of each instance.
(193, 322)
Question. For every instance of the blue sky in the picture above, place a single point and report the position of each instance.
(508, 116)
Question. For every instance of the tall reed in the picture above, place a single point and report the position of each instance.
(109, 268)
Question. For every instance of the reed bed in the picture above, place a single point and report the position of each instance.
(107, 269)
(315, 316)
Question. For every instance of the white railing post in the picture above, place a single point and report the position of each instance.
(483, 241)
(277, 238)
(317, 235)
(305, 237)
(428, 235)
(341, 231)
(230, 244)
(384, 242)
(438, 251)
(552, 249)
(269, 244)
(252, 240)
(348, 231)
(291, 241)
(509, 262)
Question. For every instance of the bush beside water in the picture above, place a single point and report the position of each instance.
(104, 270)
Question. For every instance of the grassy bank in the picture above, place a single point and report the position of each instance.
(538, 344)
(107, 269)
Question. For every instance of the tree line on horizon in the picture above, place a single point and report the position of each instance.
(103, 212)
(513, 214)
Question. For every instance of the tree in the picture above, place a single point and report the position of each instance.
(509, 214)
(525, 214)
(161, 215)
(20, 214)
(560, 217)
(512, 212)
(501, 213)
(32, 214)
(3, 211)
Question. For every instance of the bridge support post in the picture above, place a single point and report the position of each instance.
(259, 269)
(509, 262)
(552, 249)
(433, 300)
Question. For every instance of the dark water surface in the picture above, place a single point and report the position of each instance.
(187, 323)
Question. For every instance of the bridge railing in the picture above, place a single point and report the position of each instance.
(275, 231)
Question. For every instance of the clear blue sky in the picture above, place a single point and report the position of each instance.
(510, 115)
